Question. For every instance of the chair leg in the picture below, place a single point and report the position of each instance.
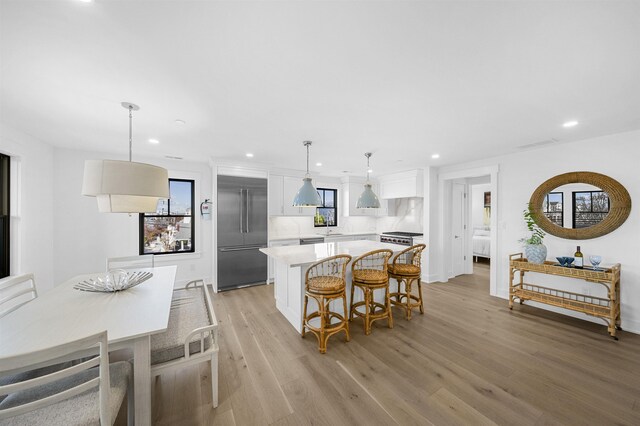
(367, 308)
(351, 303)
(322, 342)
(420, 296)
(304, 314)
(387, 302)
(131, 408)
(214, 379)
(408, 284)
(346, 322)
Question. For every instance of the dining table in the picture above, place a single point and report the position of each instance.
(130, 317)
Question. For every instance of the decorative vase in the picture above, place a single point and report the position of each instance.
(535, 253)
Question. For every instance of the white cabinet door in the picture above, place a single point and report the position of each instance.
(291, 185)
(350, 193)
(276, 206)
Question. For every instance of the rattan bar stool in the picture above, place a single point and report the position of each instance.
(324, 282)
(369, 273)
(405, 268)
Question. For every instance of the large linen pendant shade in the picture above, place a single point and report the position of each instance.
(368, 199)
(125, 186)
(307, 195)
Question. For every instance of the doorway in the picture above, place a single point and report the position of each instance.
(468, 230)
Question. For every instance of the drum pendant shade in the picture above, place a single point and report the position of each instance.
(125, 186)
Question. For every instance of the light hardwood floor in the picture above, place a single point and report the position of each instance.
(468, 360)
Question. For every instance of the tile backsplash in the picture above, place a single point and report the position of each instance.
(408, 217)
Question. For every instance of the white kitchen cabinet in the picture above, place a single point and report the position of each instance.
(351, 190)
(282, 190)
(402, 185)
(279, 243)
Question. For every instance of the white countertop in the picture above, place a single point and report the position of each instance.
(319, 234)
(307, 254)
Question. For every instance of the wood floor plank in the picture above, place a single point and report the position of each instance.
(467, 360)
(457, 411)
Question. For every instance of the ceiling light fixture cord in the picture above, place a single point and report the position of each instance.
(368, 155)
(130, 131)
(307, 144)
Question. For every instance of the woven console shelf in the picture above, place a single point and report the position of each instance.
(606, 308)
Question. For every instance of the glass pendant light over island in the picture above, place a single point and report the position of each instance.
(368, 199)
(307, 195)
(125, 186)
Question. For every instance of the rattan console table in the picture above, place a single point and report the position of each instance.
(607, 309)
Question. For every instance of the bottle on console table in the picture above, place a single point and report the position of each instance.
(579, 262)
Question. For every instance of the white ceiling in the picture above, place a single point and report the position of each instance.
(405, 80)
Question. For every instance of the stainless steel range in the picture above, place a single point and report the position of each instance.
(401, 238)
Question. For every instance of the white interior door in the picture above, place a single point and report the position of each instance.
(458, 230)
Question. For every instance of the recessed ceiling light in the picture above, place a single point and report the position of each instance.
(86, 1)
(370, 171)
(249, 155)
(178, 121)
(435, 156)
(154, 141)
(571, 123)
(319, 164)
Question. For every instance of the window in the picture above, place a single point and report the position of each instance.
(589, 208)
(171, 228)
(552, 207)
(5, 214)
(327, 214)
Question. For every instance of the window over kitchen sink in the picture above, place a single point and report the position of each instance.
(327, 214)
(171, 229)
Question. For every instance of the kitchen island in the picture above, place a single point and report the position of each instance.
(291, 263)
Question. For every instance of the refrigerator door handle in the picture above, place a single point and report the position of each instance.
(247, 209)
(240, 248)
(241, 230)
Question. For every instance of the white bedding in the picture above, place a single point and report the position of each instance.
(481, 243)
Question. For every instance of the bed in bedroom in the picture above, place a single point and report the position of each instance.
(481, 243)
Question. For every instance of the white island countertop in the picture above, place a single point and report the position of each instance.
(307, 254)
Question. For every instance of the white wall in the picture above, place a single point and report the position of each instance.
(84, 238)
(32, 217)
(477, 205)
(521, 173)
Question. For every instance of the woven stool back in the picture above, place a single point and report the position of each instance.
(410, 256)
(377, 260)
(334, 266)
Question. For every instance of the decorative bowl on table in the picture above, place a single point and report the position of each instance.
(561, 260)
(112, 281)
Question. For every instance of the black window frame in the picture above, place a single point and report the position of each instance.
(573, 207)
(546, 197)
(169, 215)
(321, 192)
(5, 216)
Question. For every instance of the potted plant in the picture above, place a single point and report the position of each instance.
(534, 250)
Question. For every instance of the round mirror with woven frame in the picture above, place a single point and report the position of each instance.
(619, 208)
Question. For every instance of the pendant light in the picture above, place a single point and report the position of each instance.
(368, 199)
(307, 195)
(125, 186)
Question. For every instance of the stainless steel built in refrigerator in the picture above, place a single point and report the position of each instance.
(242, 230)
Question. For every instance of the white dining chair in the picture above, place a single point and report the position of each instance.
(131, 262)
(78, 394)
(15, 291)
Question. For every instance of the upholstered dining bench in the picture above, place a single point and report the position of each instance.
(192, 335)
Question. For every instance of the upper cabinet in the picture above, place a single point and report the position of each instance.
(282, 190)
(351, 190)
(402, 185)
